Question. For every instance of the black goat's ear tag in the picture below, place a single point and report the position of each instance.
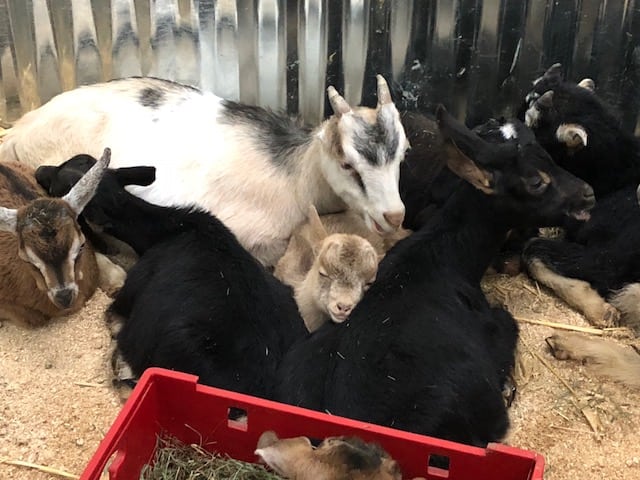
(466, 168)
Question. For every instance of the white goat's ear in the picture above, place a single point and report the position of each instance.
(317, 232)
(572, 135)
(338, 103)
(384, 95)
(8, 219)
(83, 191)
(588, 84)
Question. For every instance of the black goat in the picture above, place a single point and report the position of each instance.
(423, 351)
(196, 301)
(581, 132)
(600, 257)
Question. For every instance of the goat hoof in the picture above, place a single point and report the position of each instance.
(509, 390)
(557, 347)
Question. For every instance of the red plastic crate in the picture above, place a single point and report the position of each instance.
(174, 403)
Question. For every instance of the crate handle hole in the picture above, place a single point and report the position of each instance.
(237, 418)
(438, 466)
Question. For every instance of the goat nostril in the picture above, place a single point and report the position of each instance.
(343, 308)
(64, 297)
(394, 218)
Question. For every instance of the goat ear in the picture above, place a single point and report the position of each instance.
(466, 169)
(587, 84)
(338, 103)
(546, 100)
(8, 219)
(267, 439)
(45, 175)
(81, 193)
(317, 232)
(454, 131)
(142, 176)
(572, 135)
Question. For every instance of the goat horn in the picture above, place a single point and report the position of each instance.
(588, 84)
(83, 191)
(8, 219)
(339, 104)
(546, 100)
(384, 95)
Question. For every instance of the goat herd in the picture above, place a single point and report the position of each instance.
(371, 310)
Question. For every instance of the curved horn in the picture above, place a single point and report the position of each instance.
(384, 95)
(588, 84)
(8, 219)
(339, 104)
(81, 193)
(546, 100)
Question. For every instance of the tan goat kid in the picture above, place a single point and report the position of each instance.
(347, 458)
(46, 268)
(329, 273)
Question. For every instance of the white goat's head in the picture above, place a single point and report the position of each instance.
(49, 237)
(367, 146)
(344, 267)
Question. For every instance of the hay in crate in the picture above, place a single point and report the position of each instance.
(175, 460)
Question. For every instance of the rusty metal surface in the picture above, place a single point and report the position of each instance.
(475, 56)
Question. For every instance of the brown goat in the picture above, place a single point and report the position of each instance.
(46, 268)
(347, 458)
(328, 273)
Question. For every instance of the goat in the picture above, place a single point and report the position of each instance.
(196, 300)
(47, 268)
(256, 170)
(581, 132)
(328, 273)
(605, 357)
(423, 351)
(347, 458)
(596, 266)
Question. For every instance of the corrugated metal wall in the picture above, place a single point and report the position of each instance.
(477, 57)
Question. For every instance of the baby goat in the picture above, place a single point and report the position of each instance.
(329, 273)
(256, 170)
(47, 269)
(347, 458)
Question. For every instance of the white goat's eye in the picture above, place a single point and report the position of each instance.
(346, 166)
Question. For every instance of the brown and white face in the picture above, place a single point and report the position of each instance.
(346, 266)
(50, 239)
(368, 146)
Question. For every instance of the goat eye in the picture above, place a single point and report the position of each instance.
(346, 166)
(537, 185)
(323, 274)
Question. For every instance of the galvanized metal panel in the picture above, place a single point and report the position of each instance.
(476, 56)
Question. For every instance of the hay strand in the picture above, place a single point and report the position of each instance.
(175, 460)
(41, 468)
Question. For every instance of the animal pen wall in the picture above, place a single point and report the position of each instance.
(477, 57)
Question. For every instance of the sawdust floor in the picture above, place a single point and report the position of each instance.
(56, 403)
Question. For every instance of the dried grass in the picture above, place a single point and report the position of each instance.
(175, 460)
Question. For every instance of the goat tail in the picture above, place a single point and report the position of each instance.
(627, 301)
(619, 362)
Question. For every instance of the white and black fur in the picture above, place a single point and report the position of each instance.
(255, 169)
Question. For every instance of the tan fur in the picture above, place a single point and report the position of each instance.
(112, 276)
(329, 273)
(577, 293)
(44, 227)
(295, 458)
(605, 357)
(627, 301)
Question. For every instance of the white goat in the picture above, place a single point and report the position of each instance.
(329, 273)
(254, 169)
(46, 268)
